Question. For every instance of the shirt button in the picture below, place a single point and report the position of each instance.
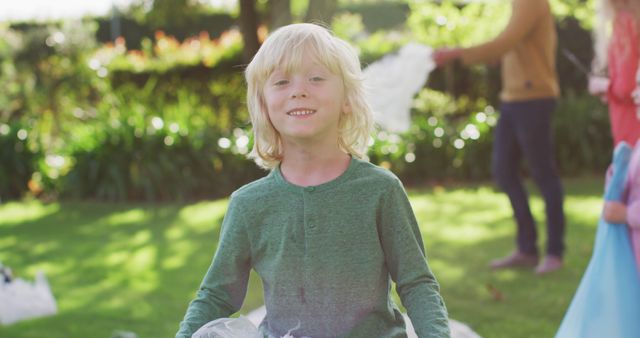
(310, 189)
(311, 226)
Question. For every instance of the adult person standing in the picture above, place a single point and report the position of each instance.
(527, 50)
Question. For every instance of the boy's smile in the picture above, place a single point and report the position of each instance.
(301, 112)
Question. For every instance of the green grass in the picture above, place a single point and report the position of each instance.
(135, 267)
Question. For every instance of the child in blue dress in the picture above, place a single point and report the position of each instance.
(327, 231)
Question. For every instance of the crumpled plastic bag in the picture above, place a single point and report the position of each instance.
(393, 81)
(228, 328)
(241, 327)
(20, 299)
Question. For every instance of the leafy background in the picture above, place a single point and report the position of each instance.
(159, 115)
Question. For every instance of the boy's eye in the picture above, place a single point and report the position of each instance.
(281, 82)
(317, 79)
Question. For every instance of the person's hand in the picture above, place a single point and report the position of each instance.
(615, 212)
(598, 85)
(444, 55)
(633, 214)
(635, 95)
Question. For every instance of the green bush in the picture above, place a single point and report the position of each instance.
(452, 139)
(17, 160)
(582, 137)
(157, 165)
(142, 145)
(449, 139)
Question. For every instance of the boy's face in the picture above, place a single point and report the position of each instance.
(305, 104)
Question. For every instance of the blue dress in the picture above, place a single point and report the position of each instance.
(607, 302)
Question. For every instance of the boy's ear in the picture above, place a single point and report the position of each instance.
(346, 107)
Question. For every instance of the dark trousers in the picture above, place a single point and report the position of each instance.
(524, 131)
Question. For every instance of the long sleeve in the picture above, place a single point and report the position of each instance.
(224, 286)
(524, 15)
(623, 64)
(404, 253)
(623, 58)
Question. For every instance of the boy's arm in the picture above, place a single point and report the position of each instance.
(224, 286)
(404, 253)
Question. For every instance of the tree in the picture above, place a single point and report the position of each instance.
(249, 29)
(279, 13)
(321, 11)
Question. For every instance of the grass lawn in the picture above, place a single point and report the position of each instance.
(134, 267)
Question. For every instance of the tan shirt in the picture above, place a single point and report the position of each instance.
(527, 48)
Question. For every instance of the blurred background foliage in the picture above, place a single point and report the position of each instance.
(148, 103)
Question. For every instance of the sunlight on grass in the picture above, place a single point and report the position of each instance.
(116, 258)
(43, 247)
(201, 217)
(127, 217)
(48, 267)
(507, 275)
(15, 212)
(141, 260)
(461, 216)
(7, 242)
(196, 219)
(179, 253)
(446, 270)
(86, 295)
(584, 209)
(466, 233)
(141, 238)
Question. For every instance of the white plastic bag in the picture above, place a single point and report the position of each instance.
(20, 299)
(228, 328)
(393, 81)
(243, 327)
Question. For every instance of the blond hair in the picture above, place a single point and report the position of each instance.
(285, 48)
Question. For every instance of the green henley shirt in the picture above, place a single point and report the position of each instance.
(326, 255)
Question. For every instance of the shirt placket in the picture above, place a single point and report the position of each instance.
(310, 229)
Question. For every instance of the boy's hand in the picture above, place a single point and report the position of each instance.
(615, 212)
(445, 55)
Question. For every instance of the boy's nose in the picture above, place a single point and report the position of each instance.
(298, 91)
(296, 94)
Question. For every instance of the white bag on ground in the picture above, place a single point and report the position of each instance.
(20, 299)
(458, 329)
(228, 328)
